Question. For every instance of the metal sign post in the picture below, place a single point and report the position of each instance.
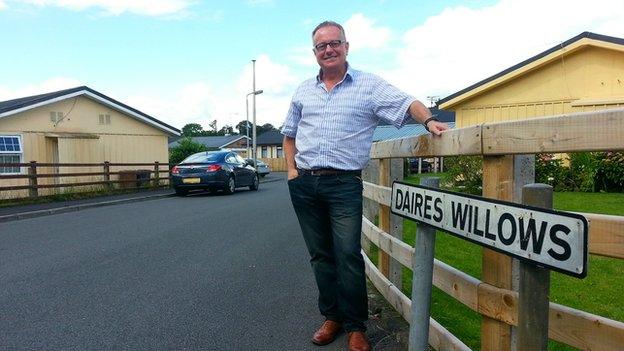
(422, 276)
(534, 284)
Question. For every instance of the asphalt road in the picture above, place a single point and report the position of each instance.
(205, 272)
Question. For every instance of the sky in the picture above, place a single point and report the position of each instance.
(190, 61)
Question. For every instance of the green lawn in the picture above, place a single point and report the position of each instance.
(599, 293)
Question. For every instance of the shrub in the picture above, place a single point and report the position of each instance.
(610, 172)
(548, 169)
(465, 173)
(587, 171)
(583, 170)
(186, 147)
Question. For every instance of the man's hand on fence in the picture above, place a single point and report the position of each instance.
(436, 127)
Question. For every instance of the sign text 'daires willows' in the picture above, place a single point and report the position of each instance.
(554, 239)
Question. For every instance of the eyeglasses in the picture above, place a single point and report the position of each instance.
(334, 44)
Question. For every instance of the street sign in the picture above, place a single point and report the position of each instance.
(557, 240)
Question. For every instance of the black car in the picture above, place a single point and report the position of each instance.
(425, 167)
(213, 170)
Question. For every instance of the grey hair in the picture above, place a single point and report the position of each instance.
(330, 24)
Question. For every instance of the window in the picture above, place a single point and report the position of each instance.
(280, 152)
(264, 152)
(104, 119)
(10, 152)
(230, 158)
(239, 159)
(202, 157)
(56, 116)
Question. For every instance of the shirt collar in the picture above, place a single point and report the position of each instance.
(348, 75)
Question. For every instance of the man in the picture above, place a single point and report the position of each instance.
(327, 139)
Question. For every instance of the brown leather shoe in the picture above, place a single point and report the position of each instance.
(326, 333)
(358, 341)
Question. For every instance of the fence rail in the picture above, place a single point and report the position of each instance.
(493, 297)
(128, 179)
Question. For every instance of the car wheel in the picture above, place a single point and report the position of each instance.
(180, 192)
(230, 186)
(262, 175)
(255, 183)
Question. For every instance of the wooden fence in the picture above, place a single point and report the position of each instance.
(504, 147)
(35, 178)
(276, 164)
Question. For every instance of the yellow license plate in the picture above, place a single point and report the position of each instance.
(191, 180)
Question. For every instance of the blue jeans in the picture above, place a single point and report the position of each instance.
(329, 209)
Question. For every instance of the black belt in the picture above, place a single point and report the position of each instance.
(328, 172)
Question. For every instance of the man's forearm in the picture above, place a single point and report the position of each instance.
(419, 112)
(289, 152)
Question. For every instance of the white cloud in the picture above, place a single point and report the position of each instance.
(197, 102)
(462, 46)
(274, 78)
(201, 102)
(47, 86)
(117, 7)
(362, 33)
(2, 5)
(278, 83)
(192, 103)
(303, 56)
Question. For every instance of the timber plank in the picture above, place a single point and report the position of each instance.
(573, 132)
(464, 141)
(606, 235)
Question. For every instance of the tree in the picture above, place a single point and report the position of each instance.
(226, 130)
(243, 126)
(192, 129)
(267, 127)
(210, 133)
(185, 148)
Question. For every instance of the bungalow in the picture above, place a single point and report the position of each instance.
(269, 144)
(78, 125)
(583, 73)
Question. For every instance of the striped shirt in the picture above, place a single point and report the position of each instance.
(335, 129)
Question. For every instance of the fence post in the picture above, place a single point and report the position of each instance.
(396, 226)
(503, 178)
(107, 174)
(422, 269)
(370, 174)
(384, 215)
(534, 284)
(156, 174)
(497, 184)
(33, 191)
(524, 173)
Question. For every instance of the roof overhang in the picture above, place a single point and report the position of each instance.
(531, 64)
(233, 141)
(97, 98)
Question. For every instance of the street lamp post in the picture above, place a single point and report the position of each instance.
(257, 92)
(253, 88)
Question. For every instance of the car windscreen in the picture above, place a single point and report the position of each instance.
(203, 158)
